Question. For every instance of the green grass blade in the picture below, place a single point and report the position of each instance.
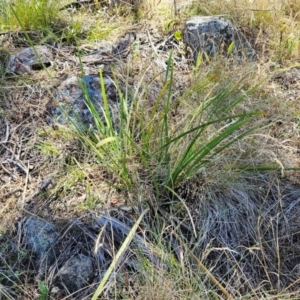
(106, 111)
(185, 133)
(116, 259)
(194, 158)
(107, 140)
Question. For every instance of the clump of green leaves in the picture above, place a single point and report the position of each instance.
(43, 290)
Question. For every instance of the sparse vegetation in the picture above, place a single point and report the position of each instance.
(209, 148)
(28, 14)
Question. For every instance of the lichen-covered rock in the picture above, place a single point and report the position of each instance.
(41, 236)
(26, 60)
(74, 95)
(75, 274)
(212, 35)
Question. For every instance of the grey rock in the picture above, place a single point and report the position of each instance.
(27, 61)
(41, 236)
(56, 258)
(76, 96)
(212, 35)
(75, 274)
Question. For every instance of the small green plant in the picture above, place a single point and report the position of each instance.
(44, 293)
(287, 48)
(72, 32)
(178, 35)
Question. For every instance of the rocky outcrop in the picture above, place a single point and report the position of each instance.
(212, 35)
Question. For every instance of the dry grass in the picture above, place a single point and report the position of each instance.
(246, 221)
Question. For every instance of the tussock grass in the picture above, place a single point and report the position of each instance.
(168, 152)
(30, 14)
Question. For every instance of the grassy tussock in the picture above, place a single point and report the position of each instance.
(28, 15)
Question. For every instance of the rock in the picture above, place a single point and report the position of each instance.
(26, 60)
(213, 35)
(75, 274)
(55, 253)
(41, 236)
(72, 99)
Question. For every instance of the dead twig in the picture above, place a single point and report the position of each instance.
(8, 172)
(18, 163)
(6, 133)
(25, 187)
(12, 192)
